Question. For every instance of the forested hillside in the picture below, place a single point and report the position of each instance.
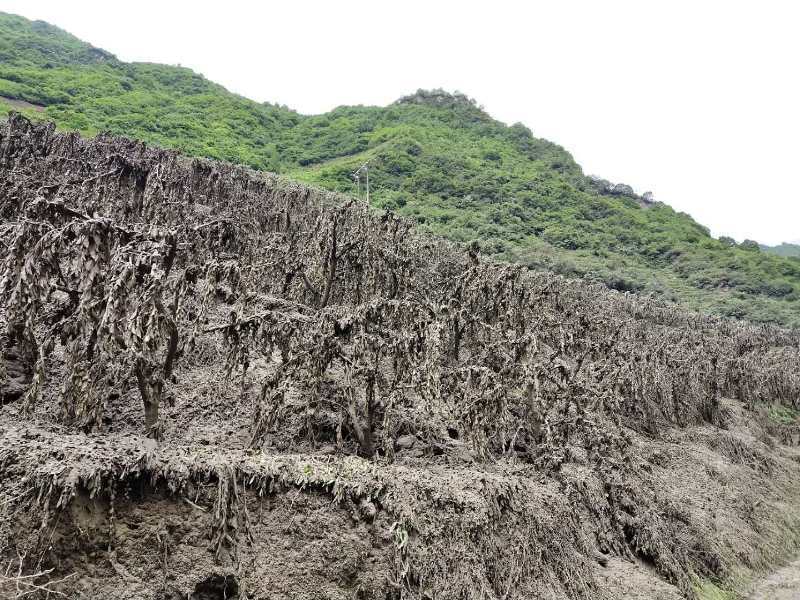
(783, 249)
(434, 156)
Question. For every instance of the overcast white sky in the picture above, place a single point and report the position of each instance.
(698, 101)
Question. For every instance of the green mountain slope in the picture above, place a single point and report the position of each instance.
(783, 249)
(434, 156)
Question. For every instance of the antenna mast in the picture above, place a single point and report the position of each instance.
(357, 177)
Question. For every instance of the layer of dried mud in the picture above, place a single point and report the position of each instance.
(326, 526)
(783, 584)
(634, 490)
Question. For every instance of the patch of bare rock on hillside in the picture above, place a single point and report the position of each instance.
(219, 384)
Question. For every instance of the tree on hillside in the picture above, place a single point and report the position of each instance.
(750, 245)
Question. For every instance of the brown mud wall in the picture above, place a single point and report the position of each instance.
(346, 408)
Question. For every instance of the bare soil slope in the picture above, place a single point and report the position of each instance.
(219, 384)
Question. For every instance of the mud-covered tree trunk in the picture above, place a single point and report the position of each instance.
(369, 410)
(151, 400)
(150, 381)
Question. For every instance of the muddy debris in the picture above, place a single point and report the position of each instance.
(218, 383)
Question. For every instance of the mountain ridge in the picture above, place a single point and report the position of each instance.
(784, 249)
(434, 156)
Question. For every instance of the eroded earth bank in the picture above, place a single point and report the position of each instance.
(219, 384)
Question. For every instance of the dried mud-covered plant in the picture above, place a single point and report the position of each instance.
(105, 293)
(108, 239)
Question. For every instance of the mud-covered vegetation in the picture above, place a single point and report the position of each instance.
(436, 157)
(454, 427)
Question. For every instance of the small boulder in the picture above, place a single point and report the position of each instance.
(405, 442)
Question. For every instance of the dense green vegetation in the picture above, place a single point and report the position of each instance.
(783, 249)
(433, 156)
(90, 90)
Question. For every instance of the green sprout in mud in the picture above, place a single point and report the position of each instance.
(400, 535)
(783, 415)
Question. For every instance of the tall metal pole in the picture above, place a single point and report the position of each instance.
(357, 177)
